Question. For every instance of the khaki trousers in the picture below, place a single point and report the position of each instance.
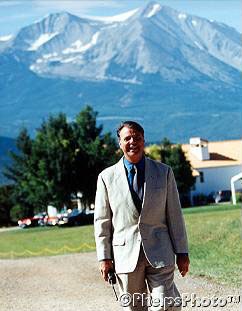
(148, 288)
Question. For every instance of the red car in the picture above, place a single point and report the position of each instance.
(36, 220)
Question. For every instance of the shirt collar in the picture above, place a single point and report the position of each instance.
(140, 165)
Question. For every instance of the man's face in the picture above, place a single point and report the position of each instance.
(132, 144)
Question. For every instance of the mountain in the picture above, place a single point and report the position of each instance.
(177, 74)
(6, 145)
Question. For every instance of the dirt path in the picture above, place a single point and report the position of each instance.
(72, 283)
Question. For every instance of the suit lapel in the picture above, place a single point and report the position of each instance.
(150, 179)
(122, 184)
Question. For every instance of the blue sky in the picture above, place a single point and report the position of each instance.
(15, 14)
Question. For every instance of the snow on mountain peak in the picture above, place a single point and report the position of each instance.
(78, 47)
(169, 54)
(182, 16)
(116, 18)
(46, 56)
(43, 38)
(75, 47)
(155, 8)
(194, 22)
(94, 38)
(112, 48)
(6, 38)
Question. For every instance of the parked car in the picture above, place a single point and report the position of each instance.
(63, 217)
(211, 197)
(222, 196)
(51, 220)
(36, 220)
(77, 218)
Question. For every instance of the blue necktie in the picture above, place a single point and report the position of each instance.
(134, 180)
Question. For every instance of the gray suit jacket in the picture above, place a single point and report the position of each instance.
(119, 229)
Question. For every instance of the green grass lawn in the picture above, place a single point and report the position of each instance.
(215, 242)
(45, 241)
(213, 232)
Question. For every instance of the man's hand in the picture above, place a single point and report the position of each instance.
(182, 262)
(105, 266)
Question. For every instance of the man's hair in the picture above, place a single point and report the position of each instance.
(132, 125)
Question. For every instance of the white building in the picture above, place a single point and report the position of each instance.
(214, 163)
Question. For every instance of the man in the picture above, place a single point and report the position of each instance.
(139, 227)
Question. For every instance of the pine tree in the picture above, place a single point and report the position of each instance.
(94, 152)
(174, 156)
(62, 160)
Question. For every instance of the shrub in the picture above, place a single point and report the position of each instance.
(200, 199)
(238, 196)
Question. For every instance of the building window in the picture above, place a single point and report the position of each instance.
(201, 174)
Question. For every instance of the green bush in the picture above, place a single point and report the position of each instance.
(238, 196)
(16, 213)
(200, 199)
